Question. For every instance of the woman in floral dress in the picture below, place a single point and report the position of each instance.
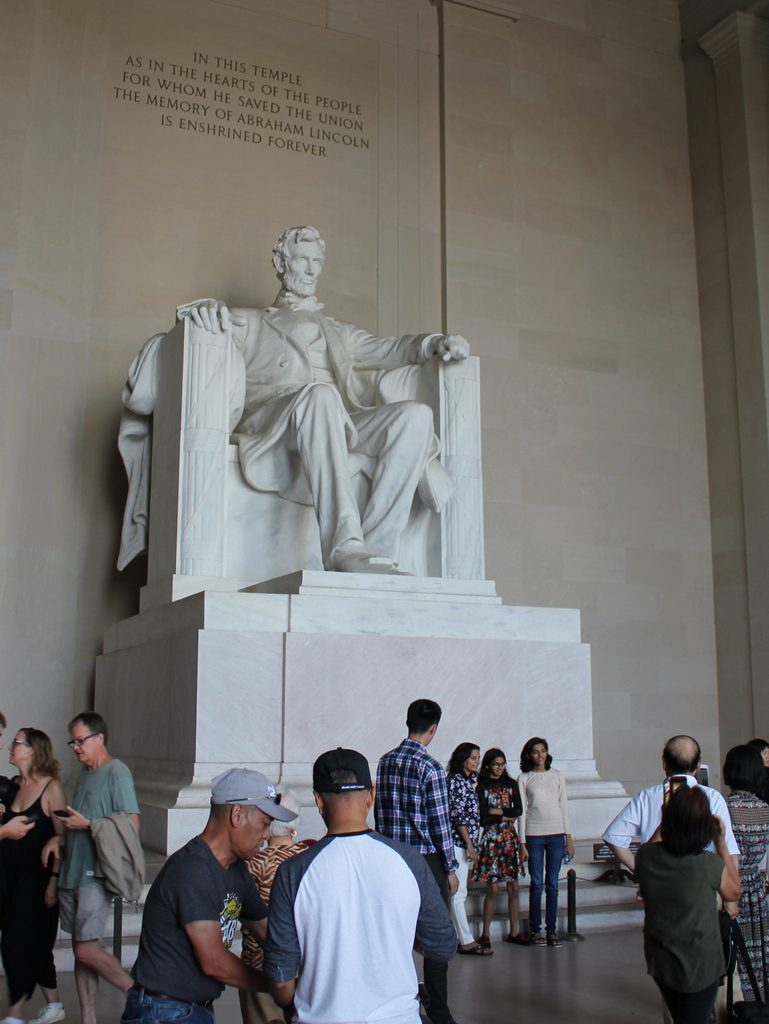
(466, 833)
(743, 771)
(500, 856)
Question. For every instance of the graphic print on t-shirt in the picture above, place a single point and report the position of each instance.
(229, 916)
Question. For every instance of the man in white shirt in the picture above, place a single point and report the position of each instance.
(681, 758)
(641, 817)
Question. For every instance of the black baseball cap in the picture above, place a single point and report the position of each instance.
(346, 760)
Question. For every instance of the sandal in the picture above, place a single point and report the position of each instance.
(484, 942)
(519, 940)
(475, 951)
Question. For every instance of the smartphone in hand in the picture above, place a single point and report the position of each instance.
(63, 813)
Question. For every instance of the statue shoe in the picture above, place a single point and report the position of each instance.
(357, 558)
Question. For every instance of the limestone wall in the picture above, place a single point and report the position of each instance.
(569, 262)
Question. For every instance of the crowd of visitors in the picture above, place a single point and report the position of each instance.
(49, 867)
(695, 842)
(488, 848)
(315, 916)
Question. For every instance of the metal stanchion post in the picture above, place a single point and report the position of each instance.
(117, 927)
(572, 935)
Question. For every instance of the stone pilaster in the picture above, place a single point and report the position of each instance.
(739, 50)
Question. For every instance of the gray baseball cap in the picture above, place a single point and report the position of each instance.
(251, 789)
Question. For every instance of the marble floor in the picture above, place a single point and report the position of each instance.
(599, 981)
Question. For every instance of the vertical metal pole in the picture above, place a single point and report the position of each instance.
(117, 927)
(572, 935)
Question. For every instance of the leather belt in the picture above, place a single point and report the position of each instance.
(174, 999)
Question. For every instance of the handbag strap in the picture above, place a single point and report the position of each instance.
(738, 938)
(731, 965)
(730, 994)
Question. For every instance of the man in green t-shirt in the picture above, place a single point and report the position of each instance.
(104, 788)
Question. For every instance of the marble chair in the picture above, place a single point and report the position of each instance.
(208, 530)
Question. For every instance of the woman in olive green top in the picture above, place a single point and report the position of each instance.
(678, 879)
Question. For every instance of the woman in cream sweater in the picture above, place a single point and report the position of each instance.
(545, 835)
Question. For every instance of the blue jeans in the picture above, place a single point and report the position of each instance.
(142, 1008)
(544, 852)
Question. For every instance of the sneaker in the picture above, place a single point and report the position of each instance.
(49, 1014)
(554, 941)
(538, 939)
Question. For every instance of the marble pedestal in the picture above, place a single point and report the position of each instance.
(272, 676)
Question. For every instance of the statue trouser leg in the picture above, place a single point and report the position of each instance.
(317, 433)
(399, 436)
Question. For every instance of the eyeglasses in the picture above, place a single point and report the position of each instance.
(498, 764)
(78, 741)
(19, 743)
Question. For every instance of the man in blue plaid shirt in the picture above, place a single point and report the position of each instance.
(412, 805)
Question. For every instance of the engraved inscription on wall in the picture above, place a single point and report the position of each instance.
(244, 102)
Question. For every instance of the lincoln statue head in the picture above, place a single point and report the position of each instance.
(298, 257)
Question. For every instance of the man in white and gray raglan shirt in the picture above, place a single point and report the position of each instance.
(347, 913)
(640, 818)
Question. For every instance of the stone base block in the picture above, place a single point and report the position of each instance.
(270, 680)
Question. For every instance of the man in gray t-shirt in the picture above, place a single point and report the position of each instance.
(195, 904)
(104, 788)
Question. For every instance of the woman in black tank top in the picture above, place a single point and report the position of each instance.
(29, 912)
